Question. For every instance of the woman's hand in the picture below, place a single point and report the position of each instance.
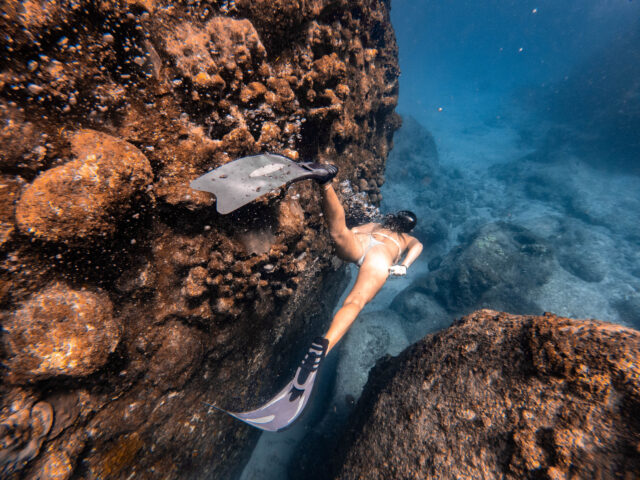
(398, 270)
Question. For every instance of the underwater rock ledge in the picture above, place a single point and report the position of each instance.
(128, 305)
(501, 396)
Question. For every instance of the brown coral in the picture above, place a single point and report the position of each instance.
(23, 428)
(60, 331)
(9, 190)
(83, 198)
(23, 146)
(223, 48)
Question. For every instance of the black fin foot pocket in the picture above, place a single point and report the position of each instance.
(320, 172)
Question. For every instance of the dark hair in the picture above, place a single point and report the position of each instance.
(401, 222)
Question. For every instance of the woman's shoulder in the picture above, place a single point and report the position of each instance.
(407, 238)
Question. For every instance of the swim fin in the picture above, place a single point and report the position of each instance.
(241, 181)
(283, 409)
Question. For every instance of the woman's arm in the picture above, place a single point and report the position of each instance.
(414, 249)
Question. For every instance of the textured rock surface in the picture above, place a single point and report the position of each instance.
(59, 332)
(420, 312)
(127, 301)
(499, 264)
(502, 396)
(24, 425)
(576, 192)
(82, 198)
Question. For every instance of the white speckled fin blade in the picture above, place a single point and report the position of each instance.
(287, 406)
(282, 410)
(241, 181)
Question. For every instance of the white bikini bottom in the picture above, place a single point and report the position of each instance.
(373, 242)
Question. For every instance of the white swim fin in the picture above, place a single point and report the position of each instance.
(287, 406)
(241, 181)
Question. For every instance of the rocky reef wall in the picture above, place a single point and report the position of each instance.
(128, 304)
(501, 396)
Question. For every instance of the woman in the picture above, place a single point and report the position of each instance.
(377, 248)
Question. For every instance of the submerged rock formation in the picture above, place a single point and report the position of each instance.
(502, 396)
(499, 264)
(128, 304)
(81, 199)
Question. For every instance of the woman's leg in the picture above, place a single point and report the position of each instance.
(371, 278)
(347, 245)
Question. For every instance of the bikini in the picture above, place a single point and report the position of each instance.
(373, 242)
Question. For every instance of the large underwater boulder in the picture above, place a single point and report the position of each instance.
(84, 197)
(128, 305)
(59, 332)
(501, 396)
(496, 265)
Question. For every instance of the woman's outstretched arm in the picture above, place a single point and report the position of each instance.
(414, 249)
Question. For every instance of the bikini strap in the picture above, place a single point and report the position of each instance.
(393, 240)
(366, 249)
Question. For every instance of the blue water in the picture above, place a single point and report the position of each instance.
(499, 83)
(456, 54)
(534, 111)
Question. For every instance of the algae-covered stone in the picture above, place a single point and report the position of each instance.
(23, 145)
(83, 198)
(500, 396)
(60, 331)
(498, 265)
(23, 428)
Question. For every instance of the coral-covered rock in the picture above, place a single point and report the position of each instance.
(23, 146)
(210, 309)
(60, 331)
(23, 428)
(278, 20)
(57, 467)
(83, 198)
(9, 192)
(222, 48)
(502, 396)
(179, 353)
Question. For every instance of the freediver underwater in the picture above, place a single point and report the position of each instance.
(379, 249)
